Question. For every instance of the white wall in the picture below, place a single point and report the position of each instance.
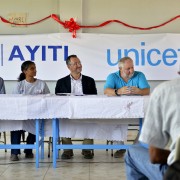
(143, 13)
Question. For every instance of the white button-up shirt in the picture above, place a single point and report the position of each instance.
(76, 86)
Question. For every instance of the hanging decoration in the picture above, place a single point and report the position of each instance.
(73, 26)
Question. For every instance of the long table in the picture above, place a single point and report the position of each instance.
(99, 107)
(20, 112)
(26, 112)
(14, 111)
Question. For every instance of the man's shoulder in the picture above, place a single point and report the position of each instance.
(168, 85)
(40, 81)
(114, 74)
(166, 90)
(1, 79)
(174, 82)
(87, 77)
(64, 78)
(138, 73)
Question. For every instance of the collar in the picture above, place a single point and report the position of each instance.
(76, 79)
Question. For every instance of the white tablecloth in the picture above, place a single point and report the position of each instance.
(97, 117)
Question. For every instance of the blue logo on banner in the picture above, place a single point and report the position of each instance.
(144, 57)
(17, 53)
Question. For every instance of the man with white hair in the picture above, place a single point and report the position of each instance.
(126, 81)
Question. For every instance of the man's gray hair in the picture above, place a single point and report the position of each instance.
(122, 61)
(68, 59)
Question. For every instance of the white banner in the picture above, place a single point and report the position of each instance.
(156, 55)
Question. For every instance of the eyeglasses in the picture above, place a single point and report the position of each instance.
(76, 63)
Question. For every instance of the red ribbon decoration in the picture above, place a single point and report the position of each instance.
(73, 26)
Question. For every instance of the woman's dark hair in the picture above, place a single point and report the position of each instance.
(25, 65)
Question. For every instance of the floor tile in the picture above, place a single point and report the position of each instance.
(102, 167)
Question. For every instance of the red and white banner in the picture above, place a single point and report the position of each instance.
(156, 55)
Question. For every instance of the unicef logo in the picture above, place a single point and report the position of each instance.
(144, 56)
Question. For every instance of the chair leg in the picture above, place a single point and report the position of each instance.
(93, 149)
(49, 146)
(59, 142)
(23, 136)
(107, 142)
(112, 149)
(50, 143)
(4, 133)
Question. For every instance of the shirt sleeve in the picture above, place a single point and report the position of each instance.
(17, 89)
(143, 83)
(110, 82)
(152, 131)
(46, 89)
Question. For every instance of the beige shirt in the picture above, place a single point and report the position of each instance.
(162, 120)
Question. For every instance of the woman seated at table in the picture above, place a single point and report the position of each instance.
(27, 84)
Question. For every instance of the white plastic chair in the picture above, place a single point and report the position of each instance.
(177, 150)
(3, 141)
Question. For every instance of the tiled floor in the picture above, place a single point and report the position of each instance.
(102, 167)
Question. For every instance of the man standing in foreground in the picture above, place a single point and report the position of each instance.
(160, 127)
(78, 84)
(126, 81)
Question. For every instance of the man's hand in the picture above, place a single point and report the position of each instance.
(124, 90)
(129, 90)
(135, 90)
(158, 156)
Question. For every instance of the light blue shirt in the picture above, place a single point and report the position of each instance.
(115, 81)
(37, 87)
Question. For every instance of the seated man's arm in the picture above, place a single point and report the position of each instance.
(158, 156)
(135, 90)
(120, 91)
(145, 91)
(126, 90)
(109, 92)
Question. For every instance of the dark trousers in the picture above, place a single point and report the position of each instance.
(16, 139)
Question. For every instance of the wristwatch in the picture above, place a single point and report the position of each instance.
(116, 92)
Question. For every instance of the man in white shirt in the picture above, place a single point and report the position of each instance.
(77, 84)
(161, 127)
